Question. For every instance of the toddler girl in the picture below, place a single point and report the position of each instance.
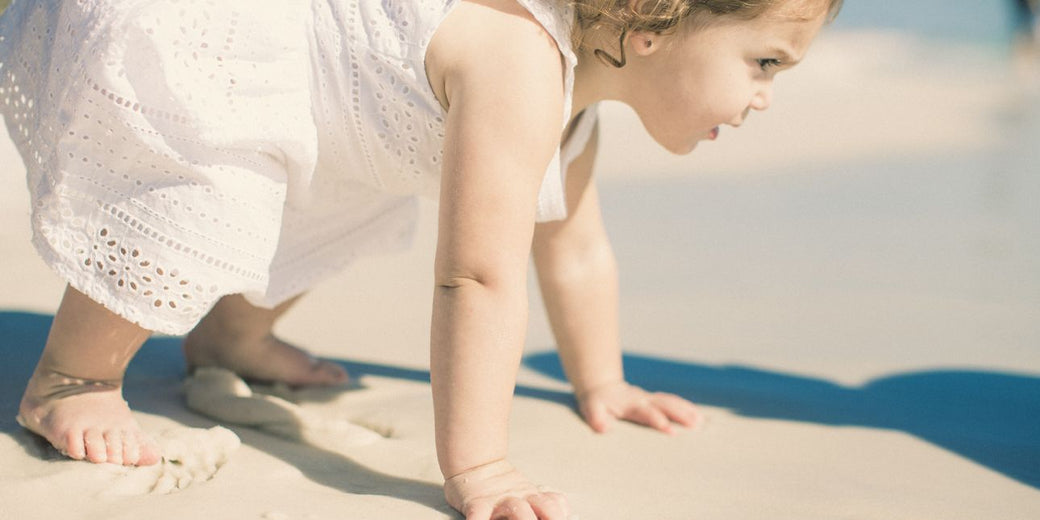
(195, 165)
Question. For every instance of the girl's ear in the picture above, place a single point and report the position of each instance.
(643, 43)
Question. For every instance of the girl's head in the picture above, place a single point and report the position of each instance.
(662, 16)
(688, 67)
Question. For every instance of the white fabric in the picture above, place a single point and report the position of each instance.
(178, 151)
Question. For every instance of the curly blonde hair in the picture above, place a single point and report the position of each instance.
(660, 16)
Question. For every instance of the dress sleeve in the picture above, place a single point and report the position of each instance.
(552, 198)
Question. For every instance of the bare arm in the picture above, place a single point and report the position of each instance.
(579, 283)
(577, 275)
(500, 76)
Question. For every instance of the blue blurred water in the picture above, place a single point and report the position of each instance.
(986, 22)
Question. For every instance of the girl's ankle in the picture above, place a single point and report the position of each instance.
(49, 384)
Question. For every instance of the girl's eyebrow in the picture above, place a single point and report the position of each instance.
(785, 57)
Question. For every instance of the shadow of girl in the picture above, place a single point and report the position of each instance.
(988, 417)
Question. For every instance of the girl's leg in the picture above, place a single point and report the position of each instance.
(238, 336)
(74, 398)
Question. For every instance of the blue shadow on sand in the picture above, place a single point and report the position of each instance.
(992, 418)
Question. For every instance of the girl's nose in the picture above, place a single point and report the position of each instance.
(763, 98)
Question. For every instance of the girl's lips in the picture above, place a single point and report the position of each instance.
(714, 134)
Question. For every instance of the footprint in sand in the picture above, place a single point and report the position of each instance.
(222, 395)
(191, 456)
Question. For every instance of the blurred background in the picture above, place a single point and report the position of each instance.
(885, 209)
(985, 22)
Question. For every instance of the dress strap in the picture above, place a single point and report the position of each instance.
(552, 198)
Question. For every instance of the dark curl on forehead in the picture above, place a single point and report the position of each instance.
(661, 16)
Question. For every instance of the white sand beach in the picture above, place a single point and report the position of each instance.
(848, 285)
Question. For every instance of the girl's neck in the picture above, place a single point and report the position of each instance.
(594, 81)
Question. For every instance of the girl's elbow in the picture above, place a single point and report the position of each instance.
(486, 280)
(458, 281)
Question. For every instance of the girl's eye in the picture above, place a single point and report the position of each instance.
(768, 63)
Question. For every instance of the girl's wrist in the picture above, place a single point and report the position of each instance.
(582, 392)
(480, 471)
(454, 463)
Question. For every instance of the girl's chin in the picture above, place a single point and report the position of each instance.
(691, 146)
(682, 148)
(686, 145)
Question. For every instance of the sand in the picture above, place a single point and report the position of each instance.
(849, 285)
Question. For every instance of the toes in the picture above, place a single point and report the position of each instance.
(114, 442)
(94, 442)
(73, 447)
(131, 449)
(150, 453)
(128, 448)
(94, 426)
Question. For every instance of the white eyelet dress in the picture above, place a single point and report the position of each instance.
(182, 150)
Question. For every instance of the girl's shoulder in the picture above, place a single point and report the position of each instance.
(501, 40)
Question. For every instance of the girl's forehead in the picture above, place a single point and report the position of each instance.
(787, 33)
(775, 11)
(798, 10)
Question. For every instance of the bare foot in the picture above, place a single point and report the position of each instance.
(267, 359)
(236, 335)
(85, 419)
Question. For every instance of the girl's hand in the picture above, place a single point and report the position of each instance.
(605, 404)
(498, 491)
